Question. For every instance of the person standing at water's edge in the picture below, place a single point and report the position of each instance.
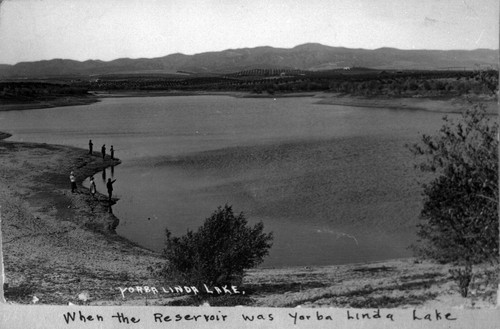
(112, 151)
(92, 187)
(109, 185)
(90, 147)
(103, 150)
(72, 179)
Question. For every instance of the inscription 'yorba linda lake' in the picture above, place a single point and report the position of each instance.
(195, 290)
(335, 184)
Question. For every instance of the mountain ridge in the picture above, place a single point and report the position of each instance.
(308, 56)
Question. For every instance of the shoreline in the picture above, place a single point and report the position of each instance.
(58, 102)
(173, 93)
(452, 104)
(4, 135)
(441, 104)
(42, 217)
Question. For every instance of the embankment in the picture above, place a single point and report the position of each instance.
(446, 105)
(10, 105)
(57, 244)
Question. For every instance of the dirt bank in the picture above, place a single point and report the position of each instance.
(446, 105)
(57, 244)
(42, 104)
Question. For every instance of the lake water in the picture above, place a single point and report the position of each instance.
(335, 184)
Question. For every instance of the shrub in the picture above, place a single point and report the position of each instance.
(218, 253)
(460, 212)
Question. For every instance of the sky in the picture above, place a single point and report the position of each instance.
(32, 30)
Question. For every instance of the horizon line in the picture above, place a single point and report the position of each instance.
(244, 48)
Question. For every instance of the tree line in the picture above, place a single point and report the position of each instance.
(356, 82)
(371, 83)
(38, 90)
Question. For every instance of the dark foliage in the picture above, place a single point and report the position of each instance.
(460, 212)
(218, 253)
(39, 90)
(356, 81)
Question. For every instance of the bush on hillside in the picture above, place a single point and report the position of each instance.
(460, 211)
(218, 253)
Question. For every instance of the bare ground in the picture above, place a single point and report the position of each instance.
(441, 104)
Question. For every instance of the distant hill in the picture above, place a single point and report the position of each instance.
(310, 56)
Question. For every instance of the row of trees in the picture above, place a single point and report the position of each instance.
(38, 90)
(366, 84)
(268, 72)
(410, 86)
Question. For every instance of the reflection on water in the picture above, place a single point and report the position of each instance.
(335, 184)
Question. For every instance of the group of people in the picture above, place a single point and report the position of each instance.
(92, 187)
(103, 150)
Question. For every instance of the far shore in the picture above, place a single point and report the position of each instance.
(4, 135)
(44, 104)
(434, 104)
(238, 94)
